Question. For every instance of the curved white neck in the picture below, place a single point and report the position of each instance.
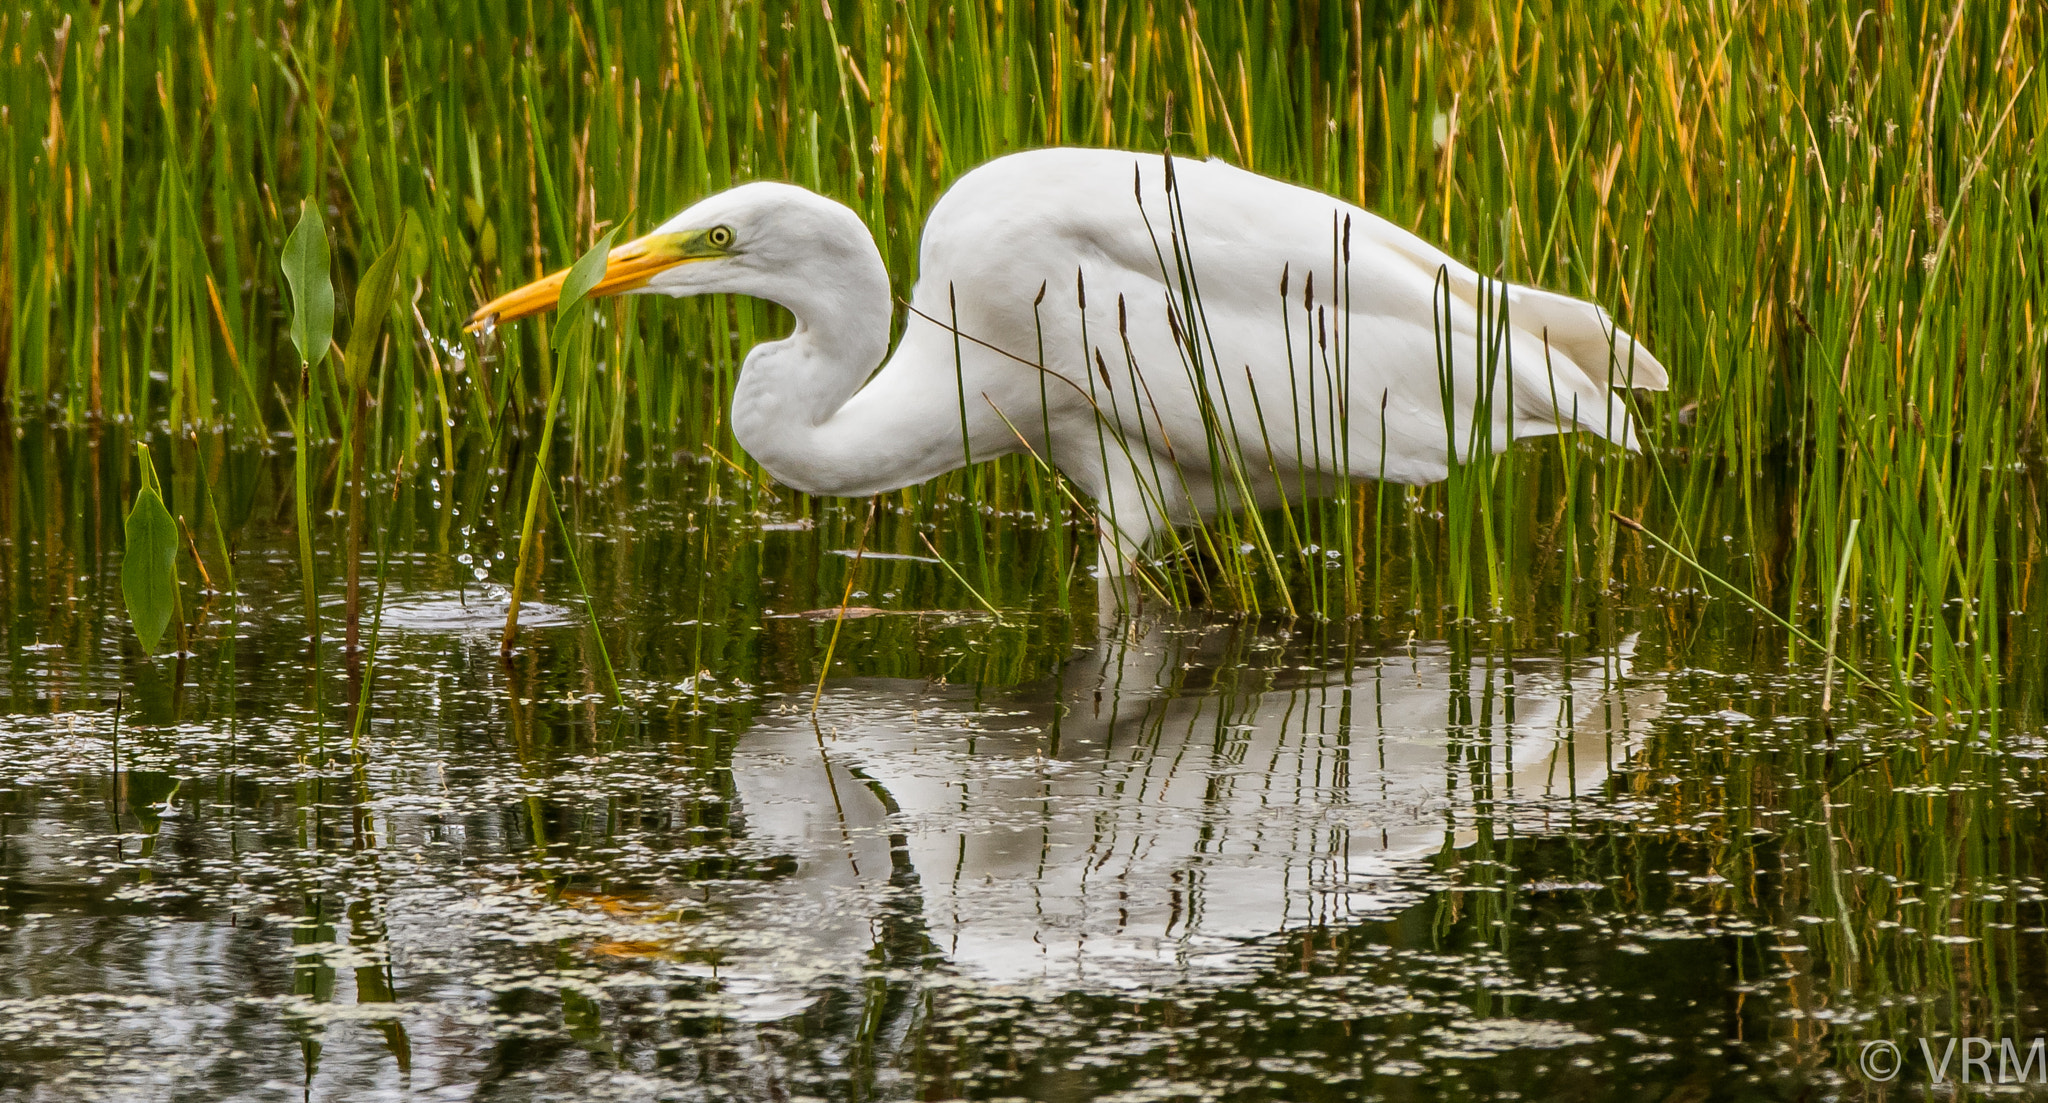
(790, 410)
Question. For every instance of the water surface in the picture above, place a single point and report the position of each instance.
(1142, 856)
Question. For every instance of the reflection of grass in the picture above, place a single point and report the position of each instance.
(1901, 875)
(1731, 836)
(1821, 219)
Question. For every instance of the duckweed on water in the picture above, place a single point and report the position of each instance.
(1191, 857)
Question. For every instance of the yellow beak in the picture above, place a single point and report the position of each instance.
(626, 268)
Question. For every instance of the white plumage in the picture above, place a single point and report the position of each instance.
(1188, 382)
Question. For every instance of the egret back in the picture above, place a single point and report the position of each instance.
(1318, 341)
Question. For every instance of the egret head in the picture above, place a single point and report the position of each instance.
(774, 241)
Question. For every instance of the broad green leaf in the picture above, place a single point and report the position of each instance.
(373, 303)
(306, 269)
(149, 563)
(415, 250)
(583, 275)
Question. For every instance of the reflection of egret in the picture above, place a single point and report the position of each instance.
(1236, 339)
(1183, 794)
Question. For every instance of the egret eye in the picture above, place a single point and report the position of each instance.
(719, 237)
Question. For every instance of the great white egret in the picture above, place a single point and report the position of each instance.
(1177, 337)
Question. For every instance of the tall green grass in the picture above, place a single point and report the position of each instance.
(1827, 220)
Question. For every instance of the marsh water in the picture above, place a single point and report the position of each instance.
(937, 848)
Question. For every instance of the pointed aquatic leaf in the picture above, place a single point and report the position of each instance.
(373, 303)
(305, 266)
(149, 566)
(588, 269)
(415, 251)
